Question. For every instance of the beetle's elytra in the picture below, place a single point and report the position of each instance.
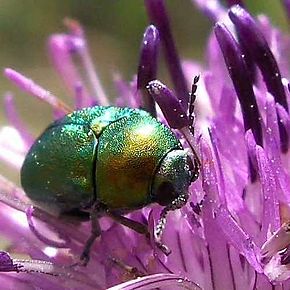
(119, 159)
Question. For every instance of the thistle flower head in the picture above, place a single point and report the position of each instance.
(233, 233)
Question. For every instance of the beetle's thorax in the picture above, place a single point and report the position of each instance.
(172, 178)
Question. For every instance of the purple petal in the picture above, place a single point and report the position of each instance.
(217, 247)
(82, 50)
(241, 80)
(271, 215)
(79, 97)
(170, 281)
(212, 8)
(272, 149)
(244, 273)
(44, 267)
(12, 147)
(284, 116)
(127, 96)
(287, 7)
(40, 236)
(251, 146)
(60, 50)
(15, 120)
(158, 15)
(209, 179)
(233, 2)
(272, 130)
(237, 237)
(227, 139)
(253, 38)
(30, 87)
(169, 104)
(220, 171)
(12, 195)
(147, 70)
(272, 136)
(227, 105)
(251, 149)
(278, 42)
(256, 44)
(277, 242)
(217, 75)
(229, 189)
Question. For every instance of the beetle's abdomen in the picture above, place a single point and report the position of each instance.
(129, 151)
(59, 168)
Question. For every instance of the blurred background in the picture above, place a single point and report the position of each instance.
(114, 30)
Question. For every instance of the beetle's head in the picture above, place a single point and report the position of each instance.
(172, 179)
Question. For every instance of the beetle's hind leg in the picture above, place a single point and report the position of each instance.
(139, 228)
(135, 226)
(95, 233)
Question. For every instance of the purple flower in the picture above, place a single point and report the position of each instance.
(234, 231)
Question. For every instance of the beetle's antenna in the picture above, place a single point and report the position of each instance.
(188, 132)
(177, 203)
(192, 98)
(188, 135)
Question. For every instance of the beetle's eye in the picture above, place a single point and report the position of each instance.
(165, 193)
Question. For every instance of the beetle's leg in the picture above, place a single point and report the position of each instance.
(95, 232)
(132, 272)
(143, 229)
(136, 226)
(158, 232)
(177, 203)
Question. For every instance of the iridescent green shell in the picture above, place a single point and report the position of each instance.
(104, 154)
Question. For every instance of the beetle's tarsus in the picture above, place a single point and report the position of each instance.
(132, 272)
(85, 256)
(165, 250)
(84, 259)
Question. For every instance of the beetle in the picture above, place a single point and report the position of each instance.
(108, 161)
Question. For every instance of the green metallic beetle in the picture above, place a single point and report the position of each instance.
(107, 161)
